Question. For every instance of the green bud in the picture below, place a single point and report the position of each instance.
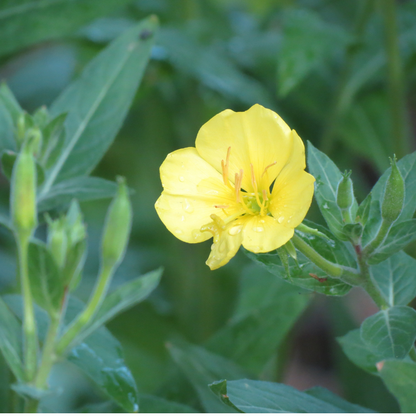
(20, 129)
(34, 137)
(23, 192)
(41, 117)
(392, 204)
(345, 195)
(117, 226)
(58, 241)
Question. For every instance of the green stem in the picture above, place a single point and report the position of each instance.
(48, 355)
(85, 317)
(378, 239)
(29, 323)
(339, 105)
(31, 406)
(334, 270)
(367, 284)
(395, 78)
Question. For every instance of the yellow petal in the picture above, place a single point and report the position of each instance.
(193, 190)
(226, 245)
(264, 233)
(257, 137)
(292, 198)
(293, 188)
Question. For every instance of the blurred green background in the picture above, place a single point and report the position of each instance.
(342, 73)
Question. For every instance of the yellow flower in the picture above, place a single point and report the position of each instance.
(243, 183)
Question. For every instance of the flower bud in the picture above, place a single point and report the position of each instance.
(23, 191)
(57, 241)
(345, 196)
(117, 226)
(392, 204)
(20, 129)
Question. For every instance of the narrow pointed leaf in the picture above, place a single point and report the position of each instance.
(98, 102)
(390, 333)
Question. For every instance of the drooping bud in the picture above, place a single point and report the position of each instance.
(345, 196)
(23, 191)
(117, 226)
(392, 204)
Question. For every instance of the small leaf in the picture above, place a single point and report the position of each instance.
(123, 298)
(29, 392)
(357, 351)
(82, 189)
(390, 333)
(53, 141)
(399, 236)
(6, 129)
(395, 278)
(202, 368)
(11, 340)
(251, 396)
(400, 379)
(8, 99)
(363, 210)
(45, 278)
(105, 89)
(327, 177)
(154, 404)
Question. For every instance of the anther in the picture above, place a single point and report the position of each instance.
(267, 167)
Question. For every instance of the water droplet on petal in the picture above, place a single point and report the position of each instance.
(258, 229)
(280, 219)
(181, 178)
(212, 192)
(187, 206)
(196, 234)
(183, 218)
(178, 231)
(235, 230)
(261, 221)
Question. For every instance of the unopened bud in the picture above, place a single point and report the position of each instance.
(41, 117)
(345, 196)
(57, 241)
(117, 226)
(392, 204)
(34, 138)
(20, 129)
(23, 192)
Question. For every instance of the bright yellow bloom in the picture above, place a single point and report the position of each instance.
(243, 183)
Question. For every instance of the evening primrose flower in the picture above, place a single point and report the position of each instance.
(244, 183)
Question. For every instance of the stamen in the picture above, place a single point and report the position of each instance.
(238, 181)
(267, 167)
(221, 206)
(224, 166)
(265, 198)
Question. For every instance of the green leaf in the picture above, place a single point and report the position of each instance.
(250, 396)
(407, 167)
(11, 340)
(81, 188)
(357, 351)
(98, 102)
(400, 379)
(390, 333)
(6, 222)
(45, 278)
(202, 368)
(154, 404)
(395, 278)
(267, 309)
(327, 177)
(123, 298)
(100, 358)
(8, 158)
(8, 99)
(399, 236)
(46, 19)
(307, 42)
